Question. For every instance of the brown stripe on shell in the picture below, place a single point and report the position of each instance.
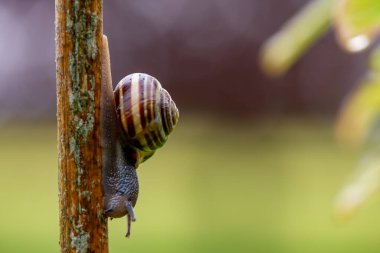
(160, 137)
(130, 123)
(168, 112)
(175, 114)
(162, 107)
(137, 144)
(154, 98)
(148, 102)
(172, 119)
(150, 142)
(156, 138)
(156, 90)
(125, 108)
(122, 108)
(143, 100)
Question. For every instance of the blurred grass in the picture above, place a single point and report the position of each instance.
(216, 186)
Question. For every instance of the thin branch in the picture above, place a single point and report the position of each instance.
(297, 35)
(78, 59)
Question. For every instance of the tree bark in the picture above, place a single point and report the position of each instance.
(83, 227)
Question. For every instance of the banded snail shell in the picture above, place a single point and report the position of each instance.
(146, 112)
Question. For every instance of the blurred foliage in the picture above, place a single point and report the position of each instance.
(358, 125)
(283, 49)
(364, 183)
(357, 23)
(359, 112)
(264, 188)
(375, 62)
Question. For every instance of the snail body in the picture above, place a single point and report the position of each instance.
(136, 119)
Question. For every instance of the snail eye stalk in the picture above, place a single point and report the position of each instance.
(130, 217)
(130, 211)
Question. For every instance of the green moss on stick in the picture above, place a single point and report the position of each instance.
(82, 26)
(79, 239)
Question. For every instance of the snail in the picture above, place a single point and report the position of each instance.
(136, 119)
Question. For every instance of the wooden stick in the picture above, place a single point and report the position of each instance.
(78, 58)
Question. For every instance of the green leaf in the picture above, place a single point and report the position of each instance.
(364, 183)
(361, 109)
(375, 61)
(357, 22)
(286, 46)
(358, 123)
(359, 112)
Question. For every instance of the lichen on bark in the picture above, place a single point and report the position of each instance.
(82, 25)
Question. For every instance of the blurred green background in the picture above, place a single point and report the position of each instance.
(254, 164)
(217, 186)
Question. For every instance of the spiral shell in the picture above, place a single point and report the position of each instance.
(146, 112)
